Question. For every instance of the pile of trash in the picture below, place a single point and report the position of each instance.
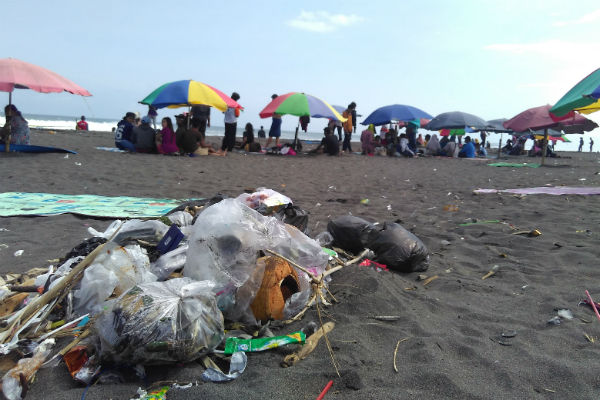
(166, 291)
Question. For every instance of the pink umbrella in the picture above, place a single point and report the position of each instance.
(22, 75)
(17, 74)
(538, 118)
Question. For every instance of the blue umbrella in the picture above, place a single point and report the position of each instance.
(395, 112)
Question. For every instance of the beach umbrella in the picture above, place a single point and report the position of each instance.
(300, 105)
(455, 120)
(187, 93)
(17, 74)
(395, 113)
(583, 97)
(538, 118)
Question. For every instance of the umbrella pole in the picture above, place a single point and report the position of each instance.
(296, 137)
(545, 146)
(7, 119)
(188, 117)
(500, 145)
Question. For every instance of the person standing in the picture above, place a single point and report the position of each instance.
(275, 129)
(483, 136)
(261, 133)
(152, 114)
(231, 116)
(591, 144)
(354, 121)
(202, 113)
(82, 125)
(580, 144)
(347, 125)
(411, 135)
(124, 132)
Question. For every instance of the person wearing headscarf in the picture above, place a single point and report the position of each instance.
(366, 140)
(19, 128)
(433, 147)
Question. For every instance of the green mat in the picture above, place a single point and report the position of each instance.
(45, 204)
(514, 165)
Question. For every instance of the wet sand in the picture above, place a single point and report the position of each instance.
(454, 348)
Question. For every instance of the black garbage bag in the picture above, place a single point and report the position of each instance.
(293, 215)
(399, 249)
(350, 233)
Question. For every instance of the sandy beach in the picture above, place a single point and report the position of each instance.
(453, 325)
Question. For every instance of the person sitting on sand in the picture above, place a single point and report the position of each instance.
(166, 141)
(194, 139)
(143, 136)
(247, 137)
(123, 133)
(82, 125)
(366, 140)
(468, 149)
(450, 149)
(536, 149)
(507, 147)
(404, 146)
(19, 128)
(329, 144)
(433, 147)
(427, 139)
(420, 140)
(444, 141)
(391, 142)
(480, 150)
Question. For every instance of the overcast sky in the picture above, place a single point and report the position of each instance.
(490, 58)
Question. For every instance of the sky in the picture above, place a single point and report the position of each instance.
(491, 58)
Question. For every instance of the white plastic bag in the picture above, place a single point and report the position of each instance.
(116, 269)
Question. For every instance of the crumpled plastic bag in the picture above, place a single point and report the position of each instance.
(25, 368)
(175, 321)
(52, 278)
(225, 245)
(350, 233)
(264, 200)
(150, 231)
(399, 249)
(115, 269)
(169, 262)
(236, 368)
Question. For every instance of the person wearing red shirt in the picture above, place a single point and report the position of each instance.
(82, 125)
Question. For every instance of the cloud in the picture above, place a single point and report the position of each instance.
(322, 21)
(586, 19)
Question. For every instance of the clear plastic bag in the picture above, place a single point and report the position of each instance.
(169, 262)
(115, 270)
(150, 231)
(264, 200)
(225, 245)
(161, 322)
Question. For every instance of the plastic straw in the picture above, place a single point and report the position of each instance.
(593, 304)
(327, 387)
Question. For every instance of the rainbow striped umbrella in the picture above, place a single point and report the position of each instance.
(187, 93)
(583, 97)
(300, 104)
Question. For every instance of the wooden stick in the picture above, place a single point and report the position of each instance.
(57, 290)
(327, 342)
(396, 352)
(301, 268)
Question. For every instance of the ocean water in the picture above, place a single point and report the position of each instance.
(315, 132)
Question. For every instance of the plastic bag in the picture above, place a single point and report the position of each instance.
(115, 270)
(225, 245)
(161, 322)
(399, 249)
(51, 278)
(169, 262)
(236, 368)
(150, 231)
(25, 368)
(350, 233)
(293, 215)
(264, 200)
